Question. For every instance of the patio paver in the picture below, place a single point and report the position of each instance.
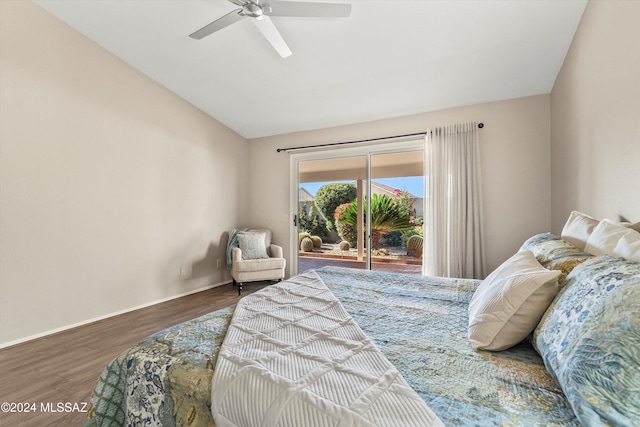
(308, 263)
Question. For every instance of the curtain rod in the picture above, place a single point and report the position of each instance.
(332, 144)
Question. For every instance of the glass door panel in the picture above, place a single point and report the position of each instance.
(397, 200)
(330, 212)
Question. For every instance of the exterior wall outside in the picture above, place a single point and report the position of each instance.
(417, 202)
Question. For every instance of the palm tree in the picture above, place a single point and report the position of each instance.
(386, 215)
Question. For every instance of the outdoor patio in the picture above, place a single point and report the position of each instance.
(308, 263)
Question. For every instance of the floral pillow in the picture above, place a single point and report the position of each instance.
(553, 253)
(534, 241)
(589, 339)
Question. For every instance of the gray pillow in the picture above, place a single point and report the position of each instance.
(252, 245)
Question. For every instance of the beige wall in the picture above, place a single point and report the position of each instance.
(595, 117)
(515, 151)
(108, 182)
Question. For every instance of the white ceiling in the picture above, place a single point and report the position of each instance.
(389, 58)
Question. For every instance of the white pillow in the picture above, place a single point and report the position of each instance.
(578, 228)
(635, 226)
(615, 240)
(510, 302)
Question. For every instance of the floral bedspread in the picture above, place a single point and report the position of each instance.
(164, 380)
(419, 323)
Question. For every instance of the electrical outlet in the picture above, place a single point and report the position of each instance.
(184, 271)
(219, 263)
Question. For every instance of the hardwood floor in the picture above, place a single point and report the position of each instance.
(65, 367)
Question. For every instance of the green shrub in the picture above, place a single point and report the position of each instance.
(394, 238)
(313, 221)
(386, 215)
(347, 232)
(330, 196)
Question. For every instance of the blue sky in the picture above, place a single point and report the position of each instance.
(412, 184)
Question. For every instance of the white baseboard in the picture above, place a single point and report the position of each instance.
(106, 316)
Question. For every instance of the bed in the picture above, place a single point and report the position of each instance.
(419, 324)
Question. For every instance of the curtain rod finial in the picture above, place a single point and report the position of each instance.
(480, 125)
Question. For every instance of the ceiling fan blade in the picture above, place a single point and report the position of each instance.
(271, 33)
(218, 24)
(304, 9)
(238, 2)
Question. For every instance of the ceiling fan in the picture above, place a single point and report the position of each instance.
(260, 10)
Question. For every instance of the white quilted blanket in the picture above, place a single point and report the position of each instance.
(293, 357)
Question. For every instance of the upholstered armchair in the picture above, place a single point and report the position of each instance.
(254, 257)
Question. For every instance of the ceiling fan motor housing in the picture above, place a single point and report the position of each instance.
(253, 10)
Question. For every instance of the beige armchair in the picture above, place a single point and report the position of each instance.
(255, 258)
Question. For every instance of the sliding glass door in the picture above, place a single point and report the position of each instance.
(359, 208)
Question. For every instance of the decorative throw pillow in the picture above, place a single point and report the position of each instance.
(578, 228)
(532, 242)
(553, 253)
(508, 304)
(616, 240)
(252, 245)
(589, 339)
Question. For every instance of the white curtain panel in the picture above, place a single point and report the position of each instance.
(453, 204)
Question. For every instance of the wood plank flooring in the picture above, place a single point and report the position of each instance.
(64, 367)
